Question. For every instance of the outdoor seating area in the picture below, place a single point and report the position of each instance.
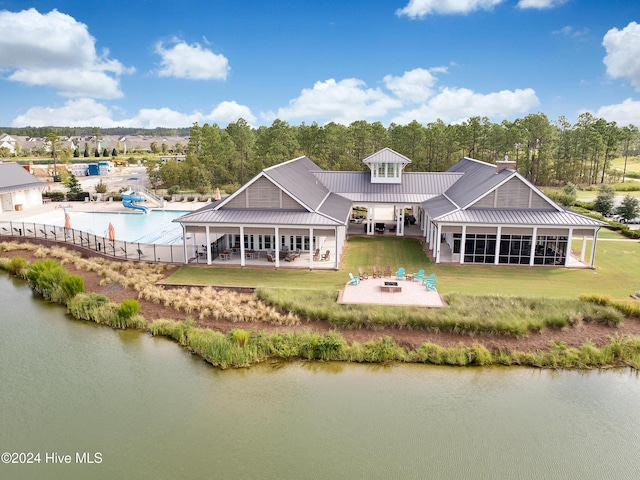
(378, 290)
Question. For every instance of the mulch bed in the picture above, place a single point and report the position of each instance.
(573, 336)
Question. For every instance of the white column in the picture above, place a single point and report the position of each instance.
(276, 246)
(184, 243)
(437, 242)
(498, 235)
(311, 248)
(369, 220)
(208, 244)
(338, 248)
(400, 226)
(568, 251)
(463, 244)
(593, 248)
(532, 253)
(242, 260)
(584, 248)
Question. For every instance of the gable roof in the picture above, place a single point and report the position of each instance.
(14, 177)
(295, 177)
(386, 155)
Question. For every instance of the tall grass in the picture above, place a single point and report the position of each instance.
(464, 314)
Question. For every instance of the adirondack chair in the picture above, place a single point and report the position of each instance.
(363, 275)
(355, 280)
(418, 277)
(430, 278)
(387, 271)
(376, 272)
(430, 284)
(400, 273)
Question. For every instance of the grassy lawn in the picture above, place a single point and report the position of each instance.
(633, 164)
(617, 272)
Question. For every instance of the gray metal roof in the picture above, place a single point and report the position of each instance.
(14, 177)
(438, 206)
(479, 178)
(415, 187)
(241, 216)
(520, 217)
(337, 207)
(386, 155)
(295, 177)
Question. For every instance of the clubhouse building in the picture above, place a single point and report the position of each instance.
(298, 215)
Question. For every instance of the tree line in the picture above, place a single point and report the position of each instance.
(546, 152)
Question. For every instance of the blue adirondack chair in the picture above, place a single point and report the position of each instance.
(418, 277)
(400, 273)
(430, 284)
(430, 278)
(355, 280)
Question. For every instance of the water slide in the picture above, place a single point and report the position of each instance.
(129, 197)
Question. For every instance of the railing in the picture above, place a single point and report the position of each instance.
(154, 198)
(148, 252)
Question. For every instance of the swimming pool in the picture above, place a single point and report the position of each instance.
(152, 227)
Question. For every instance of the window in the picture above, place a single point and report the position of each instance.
(550, 250)
(515, 249)
(478, 248)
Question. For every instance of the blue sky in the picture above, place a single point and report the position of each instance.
(158, 63)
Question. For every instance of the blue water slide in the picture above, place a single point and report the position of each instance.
(129, 197)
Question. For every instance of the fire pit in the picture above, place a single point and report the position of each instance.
(390, 286)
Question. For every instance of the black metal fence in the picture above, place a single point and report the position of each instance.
(148, 252)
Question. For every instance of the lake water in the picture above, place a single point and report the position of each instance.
(154, 411)
(153, 227)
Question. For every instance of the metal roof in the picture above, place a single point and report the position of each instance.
(439, 205)
(520, 217)
(241, 216)
(295, 177)
(415, 187)
(386, 155)
(479, 178)
(337, 207)
(14, 177)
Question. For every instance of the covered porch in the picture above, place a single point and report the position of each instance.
(267, 247)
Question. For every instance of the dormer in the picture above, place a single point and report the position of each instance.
(386, 166)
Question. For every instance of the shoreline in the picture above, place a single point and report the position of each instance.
(252, 342)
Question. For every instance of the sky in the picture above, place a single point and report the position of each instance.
(159, 63)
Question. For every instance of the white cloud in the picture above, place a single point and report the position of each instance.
(422, 8)
(79, 112)
(85, 112)
(341, 102)
(457, 104)
(194, 62)
(623, 53)
(540, 4)
(227, 112)
(569, 31)
(625, 113)
(413, 86)
(57, 51)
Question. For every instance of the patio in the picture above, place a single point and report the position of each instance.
(411, 294)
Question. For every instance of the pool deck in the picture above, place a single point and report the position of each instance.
(412, 293)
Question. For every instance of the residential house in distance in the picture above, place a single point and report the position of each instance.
(18, 188)
(474, 213)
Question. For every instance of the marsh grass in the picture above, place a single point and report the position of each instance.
(464, 314)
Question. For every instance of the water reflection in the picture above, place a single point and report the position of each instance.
(156, 411)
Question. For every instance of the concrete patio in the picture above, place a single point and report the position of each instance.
(369, 292)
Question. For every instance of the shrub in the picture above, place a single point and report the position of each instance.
(128, 309)
(86, 306)
(18, 266)
(71, 285)
(54, 196)
(45, 277)
(173, 190)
